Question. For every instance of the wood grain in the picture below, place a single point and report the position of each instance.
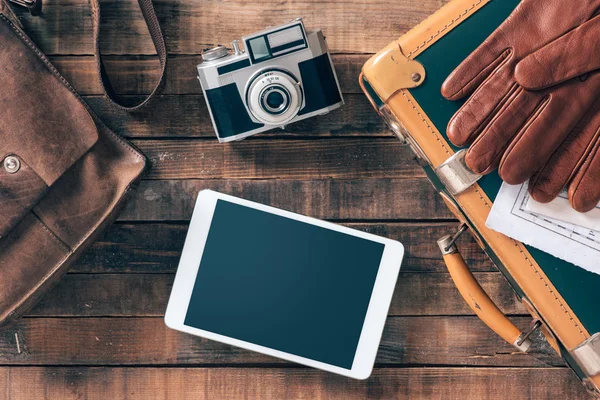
(131, 75)
(192, 25)
(289, 159)
(344, 167)
(135, 295)
(187, 116)
(76, 383)
(366, 199)
(407, 341)
(156, 247)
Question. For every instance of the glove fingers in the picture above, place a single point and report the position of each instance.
(539, 139)
(466, 125)
(570, 56)
(584, 189)
(476, 68)
(485, 153)
(547, 184)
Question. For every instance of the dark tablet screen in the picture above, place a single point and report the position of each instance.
(284, 284)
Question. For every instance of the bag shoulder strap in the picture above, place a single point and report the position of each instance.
(159, 44)
(35, 8)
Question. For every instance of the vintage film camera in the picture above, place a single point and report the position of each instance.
(285, 75)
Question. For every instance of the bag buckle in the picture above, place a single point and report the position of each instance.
(34, 6)
(587, 355)
(455, 174)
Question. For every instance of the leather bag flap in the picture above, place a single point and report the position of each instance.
(44, 126)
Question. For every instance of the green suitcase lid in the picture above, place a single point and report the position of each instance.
(579, 288)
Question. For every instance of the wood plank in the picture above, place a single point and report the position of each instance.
(407, 341)
(187, 116)
(135, 295)
(275, 159)
(156, 247)
(131, 75)
(74, 383)
(366, 199)
(190, 26)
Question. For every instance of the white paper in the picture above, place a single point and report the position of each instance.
(572, 243)
(561, 210)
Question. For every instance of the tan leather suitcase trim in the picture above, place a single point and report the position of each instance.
(443, 21)
(474, 202)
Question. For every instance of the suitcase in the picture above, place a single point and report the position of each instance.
(403, 83)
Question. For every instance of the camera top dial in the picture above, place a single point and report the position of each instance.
(274, 97)
(214, 54)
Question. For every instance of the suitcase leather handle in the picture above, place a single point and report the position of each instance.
(478, 299)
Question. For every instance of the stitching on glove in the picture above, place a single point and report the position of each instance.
(586, 165)
(496, 112)
(518, 245)
(502, 60)
(516, 139)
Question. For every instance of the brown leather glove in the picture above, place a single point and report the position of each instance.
(577, 161)
(511, 128)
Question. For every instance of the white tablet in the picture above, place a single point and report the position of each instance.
(283, 284)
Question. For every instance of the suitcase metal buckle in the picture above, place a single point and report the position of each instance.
(455, 174)
(587, 355)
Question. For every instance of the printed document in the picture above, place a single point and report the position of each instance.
(567, 241)
(561, 210)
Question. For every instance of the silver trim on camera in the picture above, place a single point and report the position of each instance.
(275, 81)
(214, 54)
(278, 54)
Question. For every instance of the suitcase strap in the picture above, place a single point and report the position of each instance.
(478, 299)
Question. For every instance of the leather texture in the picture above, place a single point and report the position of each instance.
(73, 173)
(19, 192)
(478, 300)
(576, 163)
(159, 44)
(565, 296)
(507, 126)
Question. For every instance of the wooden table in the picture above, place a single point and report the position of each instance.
(100, 333)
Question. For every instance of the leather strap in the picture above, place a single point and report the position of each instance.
(35, 7)
(159, 44)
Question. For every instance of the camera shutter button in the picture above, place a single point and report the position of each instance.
(236, 47)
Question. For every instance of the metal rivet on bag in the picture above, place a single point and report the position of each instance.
(12, 164)
(416, 77)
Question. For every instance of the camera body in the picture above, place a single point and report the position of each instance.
(285, 75)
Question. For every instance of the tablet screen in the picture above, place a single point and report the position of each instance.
(284, 284)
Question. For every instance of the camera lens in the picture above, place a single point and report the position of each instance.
(275, 99)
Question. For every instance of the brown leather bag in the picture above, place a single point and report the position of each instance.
(63, 174)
